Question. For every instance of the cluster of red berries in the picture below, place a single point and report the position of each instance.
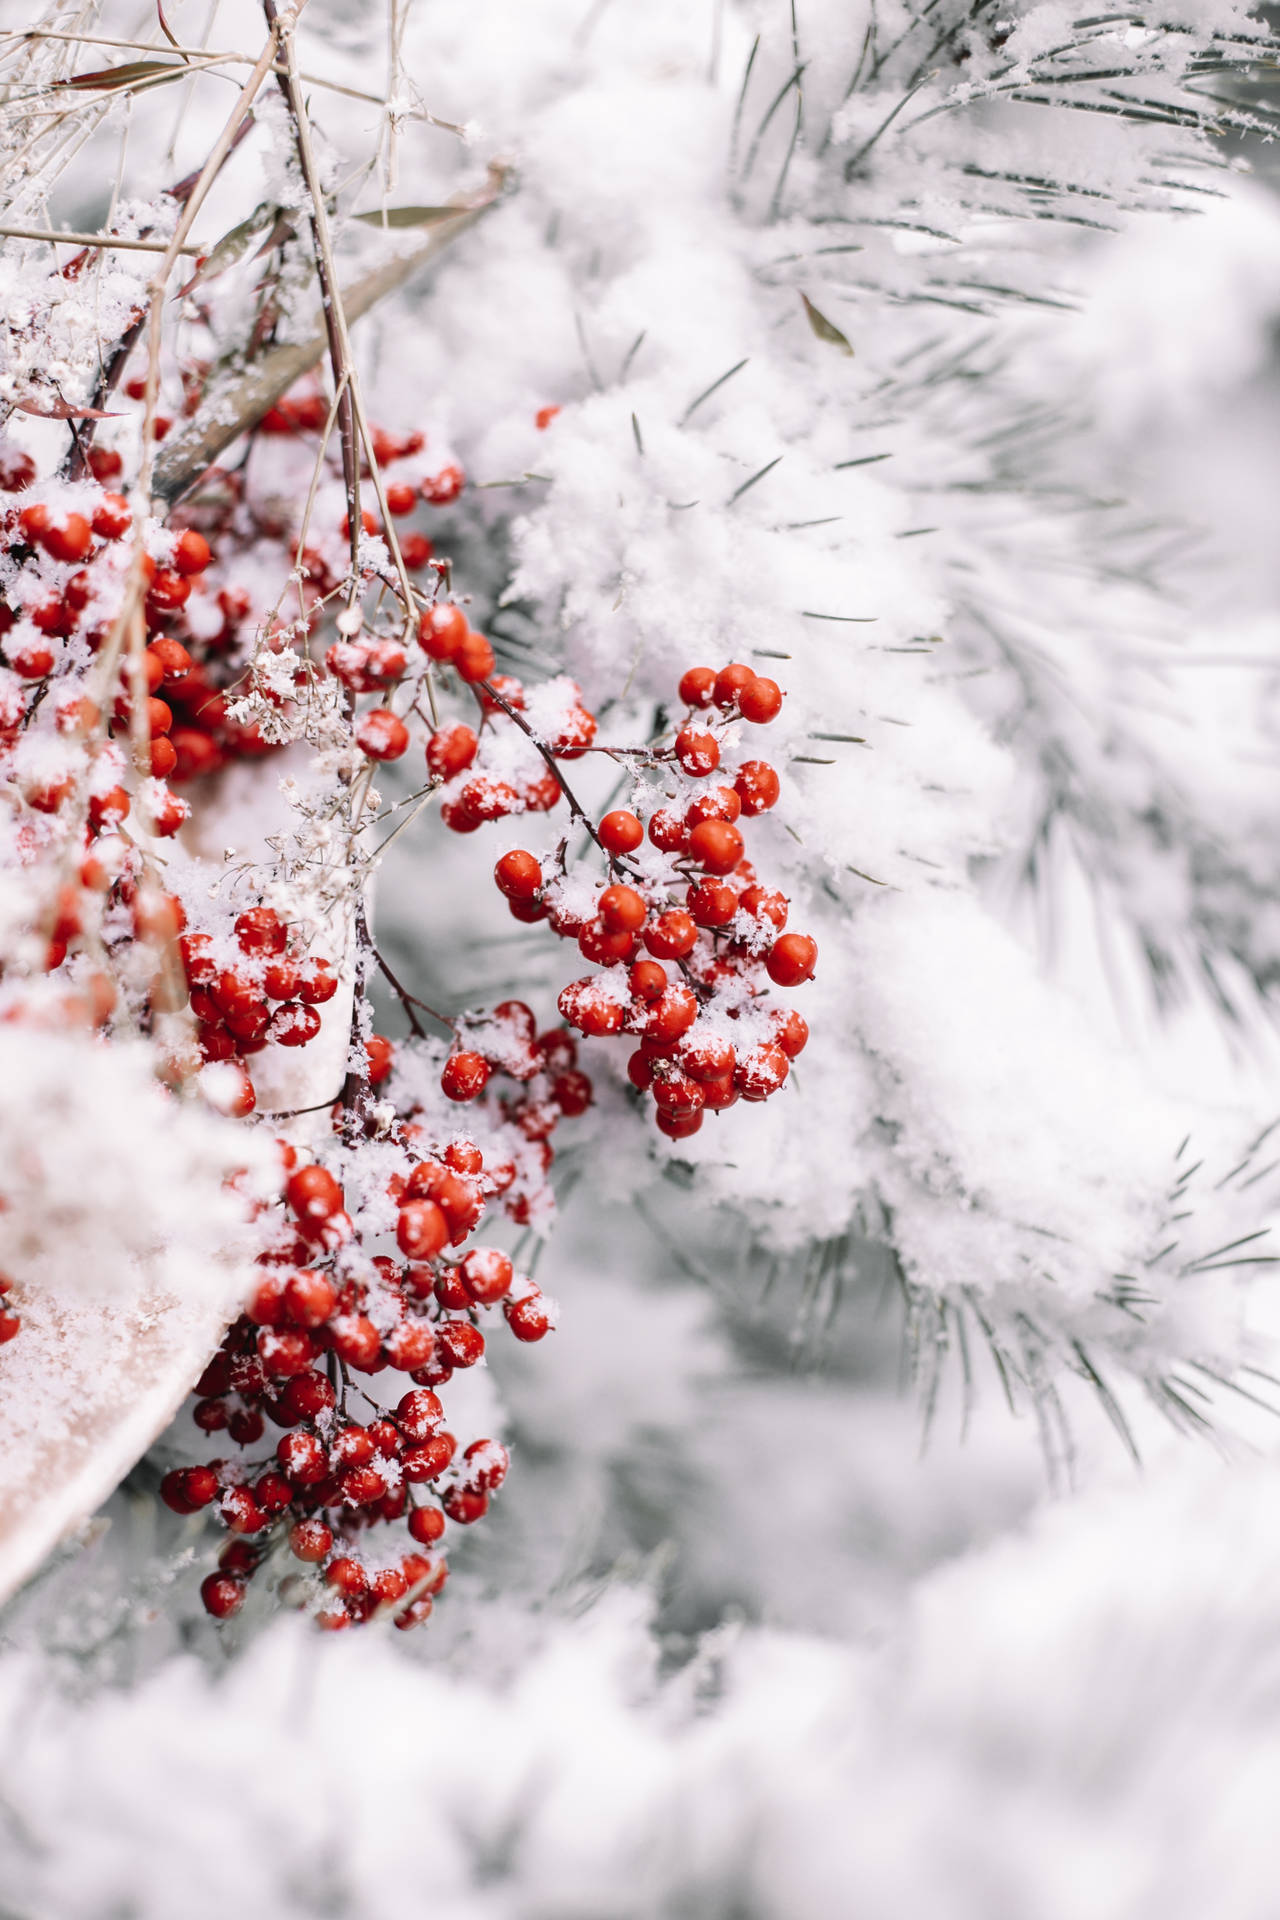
(544, 1065)
(327, 1309)
(64, 565)
(270, 991)
(364, 1258)
(686, 938)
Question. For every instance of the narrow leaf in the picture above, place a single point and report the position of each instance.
(408, 216)
(130, 74)
(225, 252)
(823, 327)
(60, 409)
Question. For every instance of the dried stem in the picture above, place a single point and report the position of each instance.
(238, 407)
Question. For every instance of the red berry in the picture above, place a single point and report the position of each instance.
(67, 537)
(757, 786)
(112, 517)
(465, 1075)
(309, 1298)
(426, 1524)
(272, 1493)
(310, 1540)
(451, 1292)
(709, 1058)
(464, 1156)
(718, 1094)
(760, 701)
(792, 959)
(348, 1576)
(316, 982)
(519, 875)
(602, 948)
(261, 930)
(716, 803)
(461, 1343)
(711, 903)
(302, 1457)
(408, 1346)
(306, 1395)
(313, 1193)
(442, 630)
(107, 810)
(463, 1506)
(761, 1073)
(443, 487)
(529, 1318)
(293, 1025)
(791, 1031)
(620, 831)
(221, 1595)
(486, 1274)
(671, 936)
(351, 1448)
(590, 1007)
(622, 909)
(17, 470)
(421, 1230)
(451, 750)
(647, 980)
(572, 1093)
(764, 903)
(676, 1092)
(380, 1055)
(401, 498)
(678, 1126)
(697, 686)
(419, 1414)
(284, 1351)
(667, 831)
(241, 1511)
(729, 682)
(168, 592)
(697, 752)
(716, 845)
(474, 658)
(428, 1460)
(357, 1341)
(32, 661)
(381, 734)
(191, 552)
(673, 1014)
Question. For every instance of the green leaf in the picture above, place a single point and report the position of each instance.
(823, 328)
(408, 216)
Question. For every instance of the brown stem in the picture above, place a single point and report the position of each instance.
(410, 1000)
(575, 806)
(357, 1094)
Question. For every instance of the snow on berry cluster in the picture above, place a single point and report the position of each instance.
(364, 1271)
(136, 654)
(139, 654)
(686, 937)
